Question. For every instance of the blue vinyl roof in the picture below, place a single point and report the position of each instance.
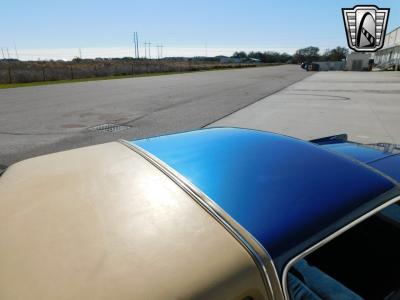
(286, 192)
(389, 165)
(387, 162)
(356, 151)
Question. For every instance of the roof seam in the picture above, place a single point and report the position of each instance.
(380, 158)
(198, 197)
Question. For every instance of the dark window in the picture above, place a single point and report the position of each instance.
(363, 262)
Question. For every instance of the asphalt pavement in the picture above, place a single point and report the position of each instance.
(44, 119)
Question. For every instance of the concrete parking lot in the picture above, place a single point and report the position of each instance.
(366, 105)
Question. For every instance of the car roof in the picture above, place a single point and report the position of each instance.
(286, 192)
(357, 151)
(101, 222)
(382, 156)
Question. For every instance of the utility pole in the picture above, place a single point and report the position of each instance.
(16, 52)
(159, 51)
(2, 52)
(137, 45)
(8, 53)
(149, 49)
(134, 44)
(80, 53)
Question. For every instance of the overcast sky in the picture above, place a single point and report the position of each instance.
(57, 29)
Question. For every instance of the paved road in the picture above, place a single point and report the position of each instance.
(365, 105)
(45, 119)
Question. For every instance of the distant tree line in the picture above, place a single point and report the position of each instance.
(265, 57)
(307, 54)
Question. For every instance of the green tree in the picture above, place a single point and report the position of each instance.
(307, 54)
(257, 55)
(335, 54)
(240, 54)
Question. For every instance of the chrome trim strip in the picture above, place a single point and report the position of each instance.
(382, 158)
(328, 239)
(257, 252)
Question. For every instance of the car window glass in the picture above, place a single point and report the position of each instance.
(362, 263)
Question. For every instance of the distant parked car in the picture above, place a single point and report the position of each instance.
(313, 67)
(304, 65)
(310, 66)
(220, 213)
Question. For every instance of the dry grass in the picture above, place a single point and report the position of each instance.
(40, 83)
(16, 72)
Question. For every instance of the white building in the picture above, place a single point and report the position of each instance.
(330, 65)
(389, 55)
(358, 61)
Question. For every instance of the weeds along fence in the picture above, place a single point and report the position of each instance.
(22, 72)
